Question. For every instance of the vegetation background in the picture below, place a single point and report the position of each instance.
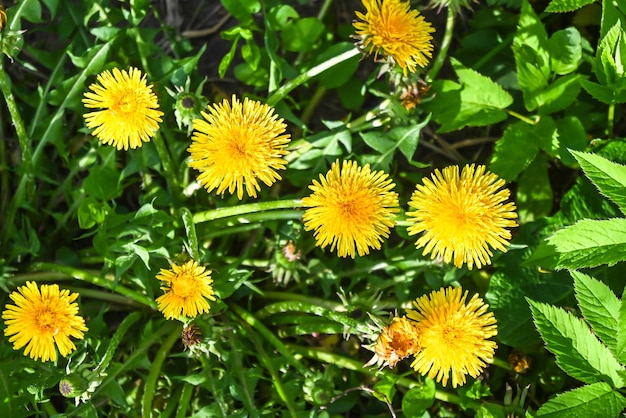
(532, 89)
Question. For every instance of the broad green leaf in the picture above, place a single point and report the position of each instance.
(404, 138)
(607, 176)
(513, 146)
(531, 55)
(558, 95)
(477, 101)
(418, 399)
(611, 56)
(385, 388)
(302, 35)
(566, 51)
(228, 58)
(572, 136)
(560, 6)
(534, 194)
(578, 352)
(242, 10)
(599, 306)
(588, 243)
(546, 135)
(595, 400)
(613, 13)
(621, 331)
(340, 73)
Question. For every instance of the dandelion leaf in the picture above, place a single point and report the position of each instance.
(578, 352)
(596, 400)
(607, 176)
(599, 306)
(587, 243)
(561, 6)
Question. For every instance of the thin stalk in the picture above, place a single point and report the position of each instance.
(218, 393)
(521, 117)
(282, 91)
(292, 306)
(611, 119)
(247, 396)
(168, 166)
(502, 364)
(276, 377)
(506, 42)
(350, 364)
(185, 398)
(269, 336)
(115, 342)
(443, 50)
(96, 280)
(303, 298)
(149, 388)
(225, 212)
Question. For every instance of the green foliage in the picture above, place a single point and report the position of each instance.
(537, 97)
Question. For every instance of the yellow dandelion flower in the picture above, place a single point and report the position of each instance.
(42, 318)
(453, 335)
(3, 18)
(462, 216)
(128, 107)
(391, 28)
(396, 342)
(352, 208)
(186, 288)
(236, 145)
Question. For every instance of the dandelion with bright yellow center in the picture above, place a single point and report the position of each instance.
(391, 28)
(462, 216)
(128, 114)
(186, 288)
(42, 318)
(395, 342)
(454, 336)
(351, 208)
(236, 145)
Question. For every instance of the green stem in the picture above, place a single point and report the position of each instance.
(506, 42)
(185, 398)
(190, 230)
(282, 92)
(370, 118)
(120, 333)
(218, 392)
(168, 166)
(302, 298)
(219, 213)
(443, 50)
(521, 117)
(350, 364)
(502, 364)
(269, 336)
(611, 119)
(292, 306)
(96, 280)
(149, 388)
(276, 378)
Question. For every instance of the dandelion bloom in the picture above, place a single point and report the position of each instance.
(42, 318)
(352, 208)
(128, 107)
(396, 341)
(453, 335)
(391, 28)
(186, 288)
(236, 145)
(461, 216)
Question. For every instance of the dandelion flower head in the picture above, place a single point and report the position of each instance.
(396, 342)
(351, 208)
(187, 288)
(392, 28)
(237, 144)
(41, 319)
(128, 112)
(461, 216)
(454, 335)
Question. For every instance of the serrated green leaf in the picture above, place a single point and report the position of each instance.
(566, 51)
(596, 400)
(560, 6)
(607, 176)
(604, 94)
(228, 58)
(477, 101)
(546, 135)
(578, 352)
(599, 306)
(513, 146)
(572, 136)
(620, 351)
(587, 243)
